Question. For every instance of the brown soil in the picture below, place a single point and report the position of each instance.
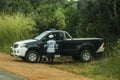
(35, 71)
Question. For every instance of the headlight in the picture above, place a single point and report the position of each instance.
(22, 45)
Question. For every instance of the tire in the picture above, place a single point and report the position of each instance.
(32, 56)
(85, 55)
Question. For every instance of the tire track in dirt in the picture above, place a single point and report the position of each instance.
(35, 71)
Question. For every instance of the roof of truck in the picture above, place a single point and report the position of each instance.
(56, 31)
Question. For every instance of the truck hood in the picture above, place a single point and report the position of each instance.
(25, 41)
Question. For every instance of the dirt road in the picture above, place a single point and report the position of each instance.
(35, 71)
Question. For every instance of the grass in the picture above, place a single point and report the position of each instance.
(106, 69)
(13, 28)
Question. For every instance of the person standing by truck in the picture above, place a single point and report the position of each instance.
(51, 44)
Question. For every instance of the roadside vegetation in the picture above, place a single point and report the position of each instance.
(13, 28)
(103, 69)
(20, 19)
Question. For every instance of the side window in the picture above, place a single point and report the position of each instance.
(47, 37)
(67, 36)
(56, 36)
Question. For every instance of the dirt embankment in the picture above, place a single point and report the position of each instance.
(35, 71)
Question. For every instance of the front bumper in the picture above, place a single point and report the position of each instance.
(20, 52)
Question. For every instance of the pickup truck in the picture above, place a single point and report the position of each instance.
(83, 49)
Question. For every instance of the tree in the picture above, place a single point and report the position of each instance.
(13, 6)
(50, 15)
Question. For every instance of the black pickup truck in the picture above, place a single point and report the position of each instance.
(79, 48)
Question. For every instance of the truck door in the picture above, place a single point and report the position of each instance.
(69, 46)
(58, 38)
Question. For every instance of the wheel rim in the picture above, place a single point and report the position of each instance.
(32, 57)
(86, 55)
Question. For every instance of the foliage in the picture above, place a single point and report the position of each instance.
(98, 21)
(13, 6)
(13, 28)
(49, 16)
(82, 18)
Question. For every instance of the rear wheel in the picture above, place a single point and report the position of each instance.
(85, 55)
(32, 56)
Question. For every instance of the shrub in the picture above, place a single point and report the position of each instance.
(13, 28)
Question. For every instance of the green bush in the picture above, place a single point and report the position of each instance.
(13, 28)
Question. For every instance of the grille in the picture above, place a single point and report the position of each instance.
(15, 46)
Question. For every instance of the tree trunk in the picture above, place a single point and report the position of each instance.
(108, 4)
(116, 15)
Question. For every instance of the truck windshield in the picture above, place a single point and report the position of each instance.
(39, 37)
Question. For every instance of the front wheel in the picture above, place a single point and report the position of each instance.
(85, 55)
(32, 56)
